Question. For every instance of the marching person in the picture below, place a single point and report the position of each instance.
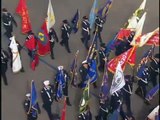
(52, 38)
(102, 57)
(103, 108)
(86, 115)
(85, 32)
(99, 27)
(29, 111)
(47, 95)
(4, 61)
(8, 21)
(62, 79)
(66, 31)
(142, 83)
(154, 69)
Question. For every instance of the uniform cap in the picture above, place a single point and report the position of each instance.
(85, 17)
(46, 82)
(85, 61)
(28, 95)
(60, 67)
(65, 21)
(103, 45)
(4, 10)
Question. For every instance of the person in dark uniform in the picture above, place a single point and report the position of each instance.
(85, 32)
(154, 69)
(4, 61)
(99, 27)
(19, 50)
(127, 92)
(142, 83)
(52, 38)
(28, 110)
(47, 95)
(120, 48)
(87, 115)
(8, 21)
(83, 70)
(102, 57)
(103, 108)
(129, 40)
(65, 85)
(66, 31)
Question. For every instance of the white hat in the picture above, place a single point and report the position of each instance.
(60, 67)
(28, 95)
(46, 82)
(85, 61)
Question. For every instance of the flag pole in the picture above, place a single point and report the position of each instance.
(74, 68)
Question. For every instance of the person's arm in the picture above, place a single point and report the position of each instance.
(13, 20)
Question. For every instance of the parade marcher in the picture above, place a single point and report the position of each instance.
(127, 92)
(66, 31)
(8, 21)
(86, 115)
(19, 46)
(102, 57)
(103, 108)
(47, 94)
(85, 32)
(154, 69)
(129, 40)
(120, 48)
(62, 79)
(4, 61)
(143, 82)
(99, 27)
(29, 110)
(52, 38)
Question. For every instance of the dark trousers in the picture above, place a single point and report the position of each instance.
(3, 74)
(101, 115)
(153, 79)
(65, 43)
(99, 36)
(9, 30)
(51, 48)
(127, 101)
(142, 90)
(101, 66)
(48, 110)
(85, 39)
(29, 117)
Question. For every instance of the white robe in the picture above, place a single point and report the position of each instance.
(16, 60)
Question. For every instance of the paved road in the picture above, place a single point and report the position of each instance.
(19, 84)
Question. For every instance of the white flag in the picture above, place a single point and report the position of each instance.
(133, 21)
(144, 38)
(118, 80)
(139, 29)
(16, 61)
(50, 16)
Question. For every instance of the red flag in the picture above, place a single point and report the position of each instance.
(23, 12)
(154, 40)
(123, 33)
(35, 62)
(63, 116)
(128, 56)
(43, 42)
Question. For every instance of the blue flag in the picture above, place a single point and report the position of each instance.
(103, 12)
(93, 13)
(92, 73)
(59, 93)
(33, 103)
(75, 22)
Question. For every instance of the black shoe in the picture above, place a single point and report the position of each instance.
(52, 57)
(61, 43)
(146, 102)
(68, 102)
(22, 70)
(69, 51)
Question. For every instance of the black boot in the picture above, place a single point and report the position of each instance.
(68, 102)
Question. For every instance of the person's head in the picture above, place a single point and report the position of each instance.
(65, 21)
(85, 63)
(4, 10)
(46, 83)
(60, 67)
(29, 32)
(85, 17)
(28, 95)
(103, 46)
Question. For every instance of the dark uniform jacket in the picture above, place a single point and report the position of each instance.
(52, 36)
(8, 21)
(99, 24)
(85, 28)
(83, 72)
(102, 56)
(154, 67)
(4, 60)
(47, 96)
(66, 31)
(30, 111)
(85, 116)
